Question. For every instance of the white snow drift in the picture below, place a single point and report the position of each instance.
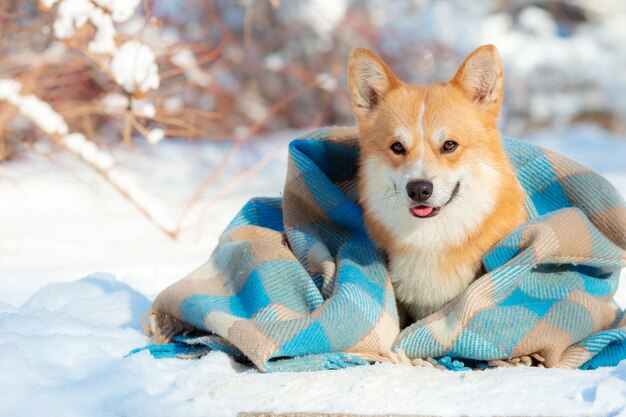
(64, 340)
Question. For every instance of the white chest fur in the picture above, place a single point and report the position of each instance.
(424, 276)
(423, 286)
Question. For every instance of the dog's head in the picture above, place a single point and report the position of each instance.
(425, 149)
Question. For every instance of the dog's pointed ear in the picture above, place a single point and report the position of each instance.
(480, 77)
(370, 79)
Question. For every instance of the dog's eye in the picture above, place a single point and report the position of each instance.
(398, 148)
(449, 146)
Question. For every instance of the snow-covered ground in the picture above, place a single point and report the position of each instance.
(63, 338)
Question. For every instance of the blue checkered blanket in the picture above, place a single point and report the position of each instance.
(295, 283)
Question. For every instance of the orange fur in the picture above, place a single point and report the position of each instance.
(465, 110)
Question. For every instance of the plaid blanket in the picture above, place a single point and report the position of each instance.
(296, 283)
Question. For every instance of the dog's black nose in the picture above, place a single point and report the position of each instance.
(419, 191)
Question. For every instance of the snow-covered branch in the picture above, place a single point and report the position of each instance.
(72, 15)
(53, 124)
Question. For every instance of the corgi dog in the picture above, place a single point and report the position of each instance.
(435, 184)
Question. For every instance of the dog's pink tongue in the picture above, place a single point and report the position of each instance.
(422, 211)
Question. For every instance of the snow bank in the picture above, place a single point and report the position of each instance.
(64, 354)
(64, 344)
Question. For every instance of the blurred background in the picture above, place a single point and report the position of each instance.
(131, 131)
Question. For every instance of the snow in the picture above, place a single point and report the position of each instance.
(78, 143)
(9, 88)
(538, 22)
(274, 62)
(104, 40)
(155, 136)
(114, 103)
(93, 319)
(30, 106)
(74, 14)
(134, 67)
(143, 108)
(71, 15)
(47, 4)
(64, 339)
(75, 224)
(323, 15)
(120, 10)
(66, 329)
(186, 60)
(52, 123)
(327, 82)
(555, 70)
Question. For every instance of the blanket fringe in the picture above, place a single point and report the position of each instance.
(399, 356)
(162, 327)
(534, 360)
